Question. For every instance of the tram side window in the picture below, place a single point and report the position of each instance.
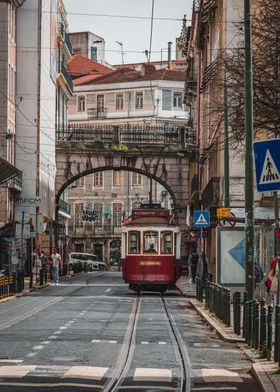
(134, 242)
(151, 242)
(166, 242)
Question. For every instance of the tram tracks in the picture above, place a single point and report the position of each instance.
(126, 355)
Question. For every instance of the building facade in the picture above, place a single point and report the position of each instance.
(88, 45)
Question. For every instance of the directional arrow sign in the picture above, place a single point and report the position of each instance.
(267, 163)
(201, 218)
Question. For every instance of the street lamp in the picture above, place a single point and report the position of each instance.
(121, 45)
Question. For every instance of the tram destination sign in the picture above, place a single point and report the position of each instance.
(150, 213)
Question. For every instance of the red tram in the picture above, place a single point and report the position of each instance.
(150, 250)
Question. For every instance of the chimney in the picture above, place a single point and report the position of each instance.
(169, 54)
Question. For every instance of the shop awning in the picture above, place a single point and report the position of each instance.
(7, 171)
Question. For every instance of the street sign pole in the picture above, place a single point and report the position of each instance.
(249, 171)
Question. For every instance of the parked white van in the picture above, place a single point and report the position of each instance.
(79, 261)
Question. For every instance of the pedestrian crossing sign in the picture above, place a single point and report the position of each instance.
(267, 164)
(201, 218)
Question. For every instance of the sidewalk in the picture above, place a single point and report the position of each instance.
(266, 373)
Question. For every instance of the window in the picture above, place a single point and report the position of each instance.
(81, 104)
(166, 245)
(100, 103)
(79, 208)
(136, 179)
(117, 214)
(134, 242)
(119, 101)
(98, 209)
(151, 242)
(98, 180)
(80, 183)
(177, 100)
(139, 101)
(93, 53)
(117, 178)
(166, 99)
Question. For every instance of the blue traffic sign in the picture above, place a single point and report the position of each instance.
(201, 218)
(267, 164)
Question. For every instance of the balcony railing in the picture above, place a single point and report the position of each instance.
(67, 77)
(64, 207)
(130, 134)
(211, 194)
(65, 37)
(94, 113)
(16, 183)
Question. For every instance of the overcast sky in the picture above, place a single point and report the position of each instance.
(133, 33)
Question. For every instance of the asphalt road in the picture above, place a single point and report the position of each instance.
(74, 337)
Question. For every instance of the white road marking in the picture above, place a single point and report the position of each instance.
(16, 371)
(11, 360)
(104, 341)
(57, 332)
(31, 355)
(214, 389)
(52, 337)
(63, 327)
(91, 372)
(161, 342)
(108, 290)
(215, 375)
(46, 342)
(151, 374)
(38, 347)
(144, 342)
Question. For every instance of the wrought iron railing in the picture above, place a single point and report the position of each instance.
(211, 195)
(65, 37)
(130, 134)
(66, 75)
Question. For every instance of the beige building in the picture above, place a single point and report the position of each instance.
(9, 188)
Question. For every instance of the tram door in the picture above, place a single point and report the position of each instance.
(151, 248)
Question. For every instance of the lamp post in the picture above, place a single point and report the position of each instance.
(121, 45)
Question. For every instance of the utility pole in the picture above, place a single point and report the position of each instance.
(226, 150)
(249, 169)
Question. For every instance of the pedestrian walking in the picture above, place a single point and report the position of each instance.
(203, 268)
(43, 259)
(272, 280)
(56, 259)
(192, 262)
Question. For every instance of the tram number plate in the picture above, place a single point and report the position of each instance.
(149, 263)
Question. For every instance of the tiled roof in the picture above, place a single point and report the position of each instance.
(78, 64)
(123, 75)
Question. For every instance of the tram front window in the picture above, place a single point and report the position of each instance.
(134, 242)
(166, 242)
(151, 242)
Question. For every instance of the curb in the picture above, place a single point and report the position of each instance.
(262, 378)
(223, 335)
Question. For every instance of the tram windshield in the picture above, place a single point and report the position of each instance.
(151, 242)
(134, 242)
(166, 242)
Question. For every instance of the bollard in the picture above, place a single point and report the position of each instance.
(207, 291)
(277, 334)
(245, 298)
(249, 327)
(237, 328)
(269, 332)
(263, 328)
(256, 325)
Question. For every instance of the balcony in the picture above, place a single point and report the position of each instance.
(211, 194)
(67, 77)
(96, 113)
(64, 207)
(66, 38)
(16, 183)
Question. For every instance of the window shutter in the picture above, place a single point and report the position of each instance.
(166, 100)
